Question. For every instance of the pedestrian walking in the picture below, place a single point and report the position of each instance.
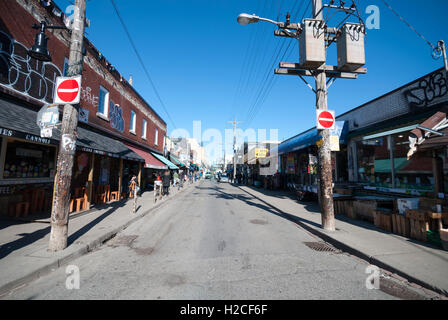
(134, 189)
(175, 178)
(166, 179)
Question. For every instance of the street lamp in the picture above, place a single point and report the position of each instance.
(245, 19)
(39, 50)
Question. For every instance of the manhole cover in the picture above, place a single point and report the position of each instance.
(122, 241)
(399, 291)
(321, 247)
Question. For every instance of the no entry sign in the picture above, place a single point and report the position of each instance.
(68, 90)
(325, 119)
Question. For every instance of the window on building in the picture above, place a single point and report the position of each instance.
(374, 166)
(156, 136)
(103, 102)
(144, 129)
(132, 122)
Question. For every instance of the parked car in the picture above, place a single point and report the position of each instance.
(208, 175)
(224, 178)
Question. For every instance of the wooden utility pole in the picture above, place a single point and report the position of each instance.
(325, 172)
(67, 145)
(234, 123)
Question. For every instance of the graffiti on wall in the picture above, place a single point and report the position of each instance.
(87, 96)
(116, 116)
(23, 74)
(427, 90)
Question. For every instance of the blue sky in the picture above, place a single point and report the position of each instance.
(207, 67)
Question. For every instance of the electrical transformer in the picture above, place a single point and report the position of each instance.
(312, 43)
(351, 54)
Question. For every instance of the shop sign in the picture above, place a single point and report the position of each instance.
(290, 164)
(334, 143)
(34, 138)
(261, 152)
(6, 132)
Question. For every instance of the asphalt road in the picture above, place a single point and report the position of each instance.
(213, 242)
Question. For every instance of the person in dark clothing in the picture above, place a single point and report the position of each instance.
(166, 179)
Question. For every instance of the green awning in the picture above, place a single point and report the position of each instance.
(177, 161)
(383, 166)
(170, 165)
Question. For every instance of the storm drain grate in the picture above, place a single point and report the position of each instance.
(321, 247)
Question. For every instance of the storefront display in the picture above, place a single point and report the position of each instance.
(28, 160)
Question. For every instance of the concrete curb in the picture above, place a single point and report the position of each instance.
(346, 248)
(64, 260)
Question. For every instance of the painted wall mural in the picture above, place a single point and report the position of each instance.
(116, 116)
(23, 74)
(427, 91)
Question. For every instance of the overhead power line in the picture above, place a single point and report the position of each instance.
(270, 78)
(409, 25)
(141, 62)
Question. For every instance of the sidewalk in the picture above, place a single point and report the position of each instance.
(416, 261)
(23, 246)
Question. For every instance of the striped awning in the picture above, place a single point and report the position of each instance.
(170, 165)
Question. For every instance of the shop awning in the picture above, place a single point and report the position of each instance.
(20, 122)
(176, 161)
(150, 161)
(432, 133)
(311, 136)
(170, 165)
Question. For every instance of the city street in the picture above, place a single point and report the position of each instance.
(213, 242)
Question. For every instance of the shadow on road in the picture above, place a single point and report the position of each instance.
(248, 200)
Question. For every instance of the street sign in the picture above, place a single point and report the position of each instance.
(47, 119)
(68, 90)
(325, 119)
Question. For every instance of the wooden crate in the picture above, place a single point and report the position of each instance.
(400, 225)
(429, 203)
(419, 223)
(417, 214)
(383, 220)
(344, 207)
(365, 209)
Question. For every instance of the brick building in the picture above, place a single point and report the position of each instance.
(118, 131)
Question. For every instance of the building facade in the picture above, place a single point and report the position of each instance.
(118, 131)
(374, 143)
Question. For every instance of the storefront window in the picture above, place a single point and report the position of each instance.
(374, 166)
(28, 160)
(415, 173)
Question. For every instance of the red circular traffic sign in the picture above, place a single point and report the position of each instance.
(68, 90)
(326, 119)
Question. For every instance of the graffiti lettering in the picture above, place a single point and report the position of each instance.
(87, 96)
(24, 74)
(68, 142)
(116, 116)
(427, 90)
